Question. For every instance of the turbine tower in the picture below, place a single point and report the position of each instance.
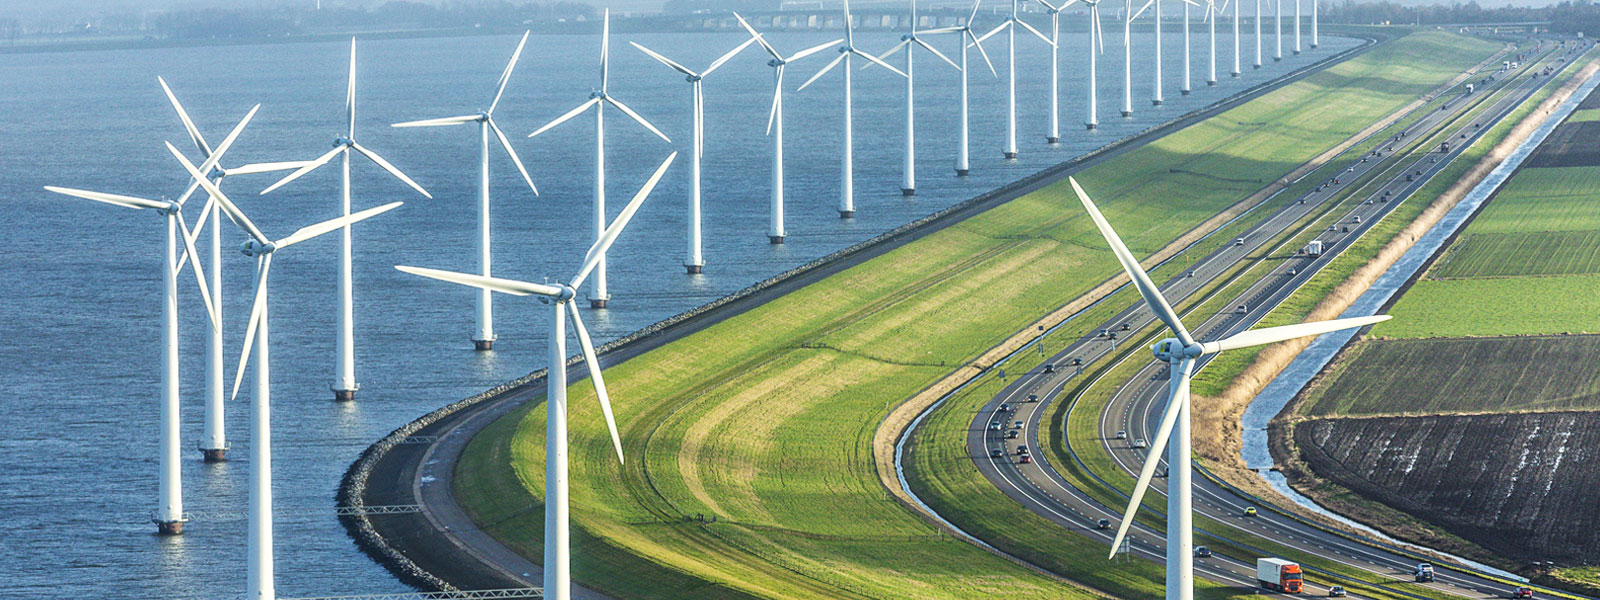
(259, 578)
(557, 547)
(847, 194)
(1010, 25)
(908, 179)
(968, 39)
(1277, 26)
(214, 443)
(344, 385)
(483, 335)
(598, 99)
(1181, 352)
(1313, 24)
(1097, 45)
(1297, 27)
(1188, 49)
(1236, 37)
(775, 229)
(693, 260)
(1055, 69)
(1214, 12)
(1258, 34)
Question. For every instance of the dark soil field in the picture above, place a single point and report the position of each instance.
(1521, 485)
(1456, 375)
(1571, 145)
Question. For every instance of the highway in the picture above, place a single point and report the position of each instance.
(1383, 183)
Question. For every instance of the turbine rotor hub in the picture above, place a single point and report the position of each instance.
(255, 248)
(342, 141)
(172, 208)
(597, 94)
(1172, 350)
(217, 172)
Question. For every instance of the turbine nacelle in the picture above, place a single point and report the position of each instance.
(343, 142)
(597, 95)
(1172, 350)
(254, 248)
(172, 208)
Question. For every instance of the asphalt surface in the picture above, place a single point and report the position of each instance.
(1137, 406)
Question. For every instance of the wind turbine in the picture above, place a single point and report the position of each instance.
(557, 547)
(483, 338)
(775, 230)
(169, 511)
(1188, 49)
(1297, 27)
(1213, 12)
(1097, 45)
(693, 261)
(968, 39)
(259, 538)
(1313, 24)
(344, 385)
(1010, 25)
(1055, 69)
(214, 443)
(1277, 26)
(908, 180)
(598, 100)
(1258, 34)
(847, 194)
(1181, 352)
(1236, 37)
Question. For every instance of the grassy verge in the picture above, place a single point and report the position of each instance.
(765, 421)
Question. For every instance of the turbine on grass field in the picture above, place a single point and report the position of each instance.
(598, 100)
(847, 194)
(483, 337)
(908, 179)
(693, 261)
(557, 550)
(344, 385)
(1010, 25)
(775, 229)
(1181, 352)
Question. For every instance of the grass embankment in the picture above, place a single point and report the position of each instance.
(765, 421)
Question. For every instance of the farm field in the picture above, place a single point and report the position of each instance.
(1466, 375)
(1504, 481)
(1522, 254)
(1584, 115)
(1495, 307)
(771, 433)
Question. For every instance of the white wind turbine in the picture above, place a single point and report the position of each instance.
(214, 443)
(1188, 50)
(847, 192)
(344, 385)
(908, 180)
(1236, 37)
(1181, 352)
(693, 261)
(968, 39)
(1097, 45)
(1214, 12)
(168, 516)
(775, 229)
(1297, 27)
(1258, 34)
(1055, 69)
(557, 547)
(598, 99)
(1277, 26)
(483, 337)
(1314, 24)
(1010, 25)
(259, 577)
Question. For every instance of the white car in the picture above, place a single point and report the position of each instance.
(1140, 443)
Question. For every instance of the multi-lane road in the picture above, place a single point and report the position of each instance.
(1383, 182)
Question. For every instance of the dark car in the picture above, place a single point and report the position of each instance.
(1202, 552)
(1022, 450)
(1011, 435)
(1522, 592)
(997, 453)
(1103, 524)
(1049, 368)
(1024, 459)
(1005, 408)
(1033, 397)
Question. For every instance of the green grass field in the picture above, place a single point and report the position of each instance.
(1584, 115)
(765, 421)
(1461, 376)
(1534, 253)
(1495, 307)
(1544, 199)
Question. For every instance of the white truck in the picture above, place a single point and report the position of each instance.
(1279, 575)
(1314, 248)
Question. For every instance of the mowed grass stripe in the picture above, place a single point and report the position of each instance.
(1526, 254)
(784, 458)
(1544, 199)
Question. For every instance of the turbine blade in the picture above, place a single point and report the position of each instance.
(263, 263)
(824, 71)
(939, 54)
(598, 250)
(973, 14)
(350, 92)
(892, 51)
(461, 120)
(505, 76)
(849, 27)
(941, 30)
(199, 274)
(309, 167)
(997, 29)
(981, 52)
(1177, 397)
(563, 118)
(663, 60)
(1036, 32)
(1136, 14)
(814, 49)
(605, 51)
(223, 202)
(311, 231)
(493, 284)
(378, 160)
(593, 363)
(1099, 33)
(1141, 280)
(188, 124)
(635, 116)
(757, 37)
(877, 60)
(777, 93)
(515, 160)
(221, 149)
(271, 167)
(117, 199)
(721, 60)
(1269, 335)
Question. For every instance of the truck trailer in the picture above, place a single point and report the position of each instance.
(1314, 248)
(1279, 575)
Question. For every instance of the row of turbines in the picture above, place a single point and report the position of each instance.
(181, 250)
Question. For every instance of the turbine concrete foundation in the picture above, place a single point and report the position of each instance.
(961, 172)
(847, 214)
(169, 527)
(1088, 125)
(344, 395)
(1155, 103)
(1184, 92)
(1052, 140)
(775, 239)
(1010, 155)
(1127, 113)
(483, 345)
(694, 269)
(908, 191)
(597, 303)
(214, 455)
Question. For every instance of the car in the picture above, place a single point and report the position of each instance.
(1355, 219)
(1011, 435)
(1336, 592)
(1241, 309)
(1103, 524)
(1238, 242)
(1126, 327)
(1122, 435)
(1202, 552)
(1049, 368)
(1522, 592)
(1021, 450)
(1025, 459)
(1293, 272)
(1249, 511)
(1017, 425)
(1077, 362)
(1005, 408)
(997, 453)
(1345, 229)
(1033, 397)
(994, 426)
(1140, 443)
